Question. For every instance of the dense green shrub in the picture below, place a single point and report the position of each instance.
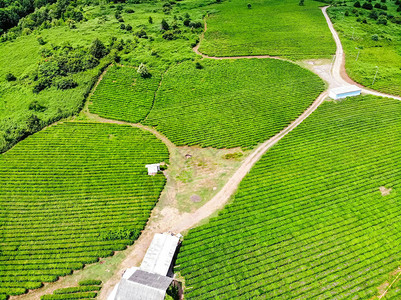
(367, 5)
(97, 49)
(164, 25)
(65, 83)
(36, 106)
(10, 77)
(83, 295)
(77, 289)
(143, 71)
(90, 282)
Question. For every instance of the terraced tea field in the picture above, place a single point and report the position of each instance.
(70, 194)
(231, 103)
(269, 27)
(124, 95)
(318, 217)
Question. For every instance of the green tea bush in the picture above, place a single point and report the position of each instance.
(90, 282)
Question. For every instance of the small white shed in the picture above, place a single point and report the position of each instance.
(153, 169)
(344, 91)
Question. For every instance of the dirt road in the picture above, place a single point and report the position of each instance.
(338, 72)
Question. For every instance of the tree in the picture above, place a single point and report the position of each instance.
(367, 5)
(382, 20)
(301, 2)
(10, 77)
(141, 34)
(164, 25)
(33, 124)
(128, 27)
(36, 106)
(150, 20)
(357, 4)
(98, 49)
(249, 5)
(40, 40)
(143, 71)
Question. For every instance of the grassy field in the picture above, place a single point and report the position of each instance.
(155, 51)
(71, 194)
(372, 49)
(124, 95)
(316, 218)
(273, 27)
(231, 103)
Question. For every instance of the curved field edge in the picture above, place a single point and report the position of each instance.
(70, 194)
(231, 103)
(123, 94)
(317, 217)
(292, 31)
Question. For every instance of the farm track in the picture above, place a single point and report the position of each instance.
(187, 221)
(338, 71)
(177, 223)
(183, 222)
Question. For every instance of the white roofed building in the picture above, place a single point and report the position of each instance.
(143, 286)
(153, 169)
(160, 254)
(151, 280)
(344, 91)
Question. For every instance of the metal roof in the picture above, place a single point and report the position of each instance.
(345, 89)
(152, 280)
(129, 290)
(160, 254)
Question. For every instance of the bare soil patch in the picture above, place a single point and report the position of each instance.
(196, 198)
(385, 191)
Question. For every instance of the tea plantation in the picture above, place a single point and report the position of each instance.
(318, 217)
(231, 103)
(87, 289)
(273, 27)
(70, 194)
(124, 95)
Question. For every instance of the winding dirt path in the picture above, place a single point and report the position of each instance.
(338, 71)
(176, 222)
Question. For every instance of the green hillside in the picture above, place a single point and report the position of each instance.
(42, 54)
(317, 217)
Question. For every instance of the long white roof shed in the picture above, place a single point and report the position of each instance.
(344, 91)
(160, 254)
(151, 280)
